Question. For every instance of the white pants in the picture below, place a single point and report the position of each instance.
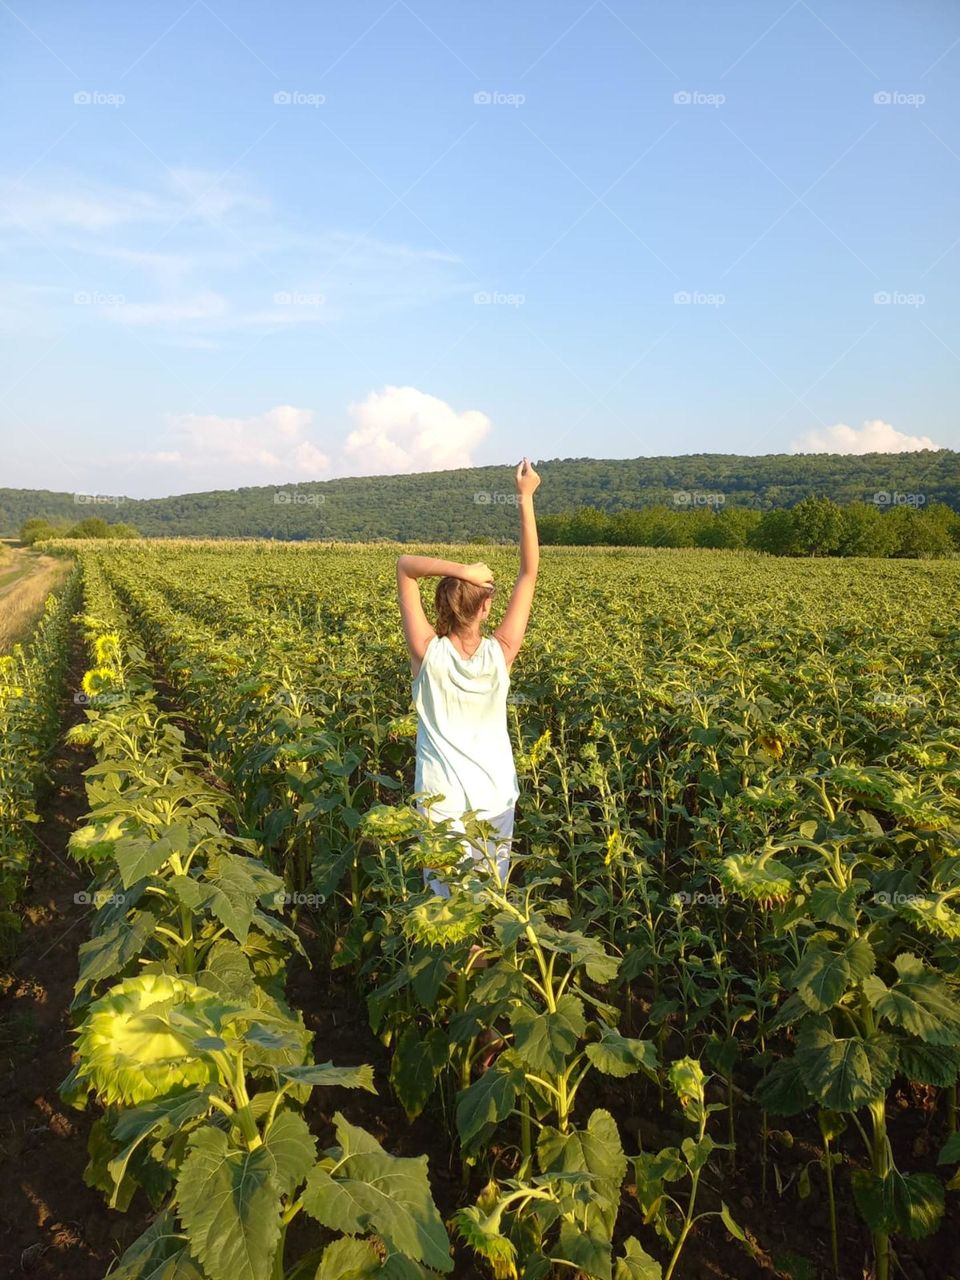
(497, 849)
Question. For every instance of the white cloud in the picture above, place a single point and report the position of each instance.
(403, 429)
(875, 436)
(398, 429)
(225, 452)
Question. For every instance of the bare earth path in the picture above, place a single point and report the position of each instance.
(26, 579)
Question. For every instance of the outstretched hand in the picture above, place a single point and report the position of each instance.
(527, 479)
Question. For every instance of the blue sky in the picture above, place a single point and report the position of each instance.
(248, 244)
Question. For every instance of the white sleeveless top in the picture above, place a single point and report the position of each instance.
(463, 746)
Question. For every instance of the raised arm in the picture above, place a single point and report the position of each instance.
(513, 628)
(416, 625)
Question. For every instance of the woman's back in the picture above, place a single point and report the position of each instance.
(463, 745)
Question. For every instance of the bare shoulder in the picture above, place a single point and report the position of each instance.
(416, 663)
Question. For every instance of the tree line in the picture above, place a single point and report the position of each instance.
(37, 529)
(466, 504)
(816, 526)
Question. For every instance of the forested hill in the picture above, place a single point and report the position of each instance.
(476, 502)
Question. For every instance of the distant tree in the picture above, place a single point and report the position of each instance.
(588, 528)
(627, 529)
(866, 531)
(945, 518)
(730, 529)
(552, 530)
(92, 527)
(696, 526)
(817, 526)
(918, 537)
(775, 534)
(37, 529)
(96, 527)
(663, 527)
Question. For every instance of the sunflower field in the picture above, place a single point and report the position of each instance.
(710, 1024)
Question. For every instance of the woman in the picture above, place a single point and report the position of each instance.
(461, 679)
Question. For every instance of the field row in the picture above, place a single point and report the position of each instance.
(185, 1039)
(32, 680)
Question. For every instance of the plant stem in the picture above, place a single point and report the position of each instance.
(831, 1200)
(526, 1137)
(881, 1167)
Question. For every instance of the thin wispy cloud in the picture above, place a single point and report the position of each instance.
(198, 257)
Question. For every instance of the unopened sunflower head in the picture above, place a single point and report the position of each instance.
(481, 1233)
(528, 761)
(444, 922)
(145, 1038)
(688, 1082)
(83, 734)
(391, 824)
